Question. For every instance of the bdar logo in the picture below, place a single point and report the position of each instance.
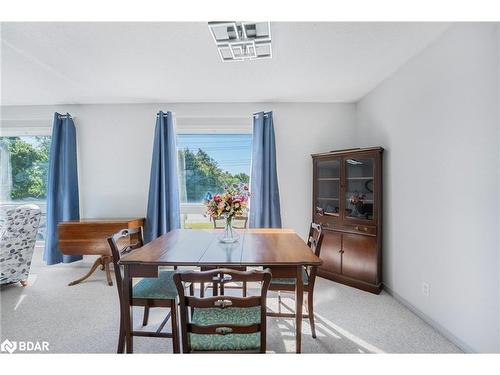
(8, 346)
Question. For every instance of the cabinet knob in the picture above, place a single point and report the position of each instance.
(356, 227)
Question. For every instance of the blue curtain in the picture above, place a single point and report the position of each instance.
(265, 196)
(62, 187)
(163, 202)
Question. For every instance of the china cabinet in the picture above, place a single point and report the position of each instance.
(347, 203)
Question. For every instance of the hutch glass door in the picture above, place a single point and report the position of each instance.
(328, 187)
(359, 187)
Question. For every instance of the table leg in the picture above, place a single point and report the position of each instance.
(98, 262)
(299, 295)
(127, 308)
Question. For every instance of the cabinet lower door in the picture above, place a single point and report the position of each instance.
(359, 258)
(330, 252)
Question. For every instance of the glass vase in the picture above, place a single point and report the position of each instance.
(229, 235)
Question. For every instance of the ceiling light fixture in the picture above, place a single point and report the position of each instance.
(239, 41)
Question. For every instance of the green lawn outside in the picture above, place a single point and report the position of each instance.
(198, 226)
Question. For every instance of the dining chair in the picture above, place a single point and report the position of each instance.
(223, 323)
(314, 241)
(239, 222)
(148, 292)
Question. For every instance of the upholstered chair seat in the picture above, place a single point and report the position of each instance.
(291, 281)
(161, 287)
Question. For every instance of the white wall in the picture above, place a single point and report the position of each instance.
(498, 129)
(115, 144)
(437, 117)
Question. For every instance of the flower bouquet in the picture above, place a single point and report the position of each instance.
(232, 202)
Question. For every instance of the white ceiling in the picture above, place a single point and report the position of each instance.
(72, 63)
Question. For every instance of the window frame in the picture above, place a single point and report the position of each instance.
(210, 125)
(26, 131)
(214, 125)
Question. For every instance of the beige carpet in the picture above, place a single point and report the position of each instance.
(84, 318)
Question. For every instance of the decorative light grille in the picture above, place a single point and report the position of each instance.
(239, 41)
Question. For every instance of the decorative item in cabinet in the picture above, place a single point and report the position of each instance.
(347, 202)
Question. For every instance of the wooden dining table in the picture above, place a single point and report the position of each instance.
(282, 250)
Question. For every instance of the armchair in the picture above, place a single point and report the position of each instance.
(18, 229)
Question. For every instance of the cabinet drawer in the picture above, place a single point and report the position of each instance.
(331, 223)
(326, 221)
(358, 228)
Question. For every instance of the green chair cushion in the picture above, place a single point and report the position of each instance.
(291, 281)
(161, 287)
(229, 342)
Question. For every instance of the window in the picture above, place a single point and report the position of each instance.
(207, 163)
(24, 162)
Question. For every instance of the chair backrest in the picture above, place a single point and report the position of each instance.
(18, 229)
(315, 238)
(238, 222)
(123, 242)
(314, 241)
(221, 302)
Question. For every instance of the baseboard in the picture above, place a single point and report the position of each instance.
(367, 287)
(438, 327)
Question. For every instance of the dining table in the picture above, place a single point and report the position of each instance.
(281, 250)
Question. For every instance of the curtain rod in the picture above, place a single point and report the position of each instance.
(165, 113)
